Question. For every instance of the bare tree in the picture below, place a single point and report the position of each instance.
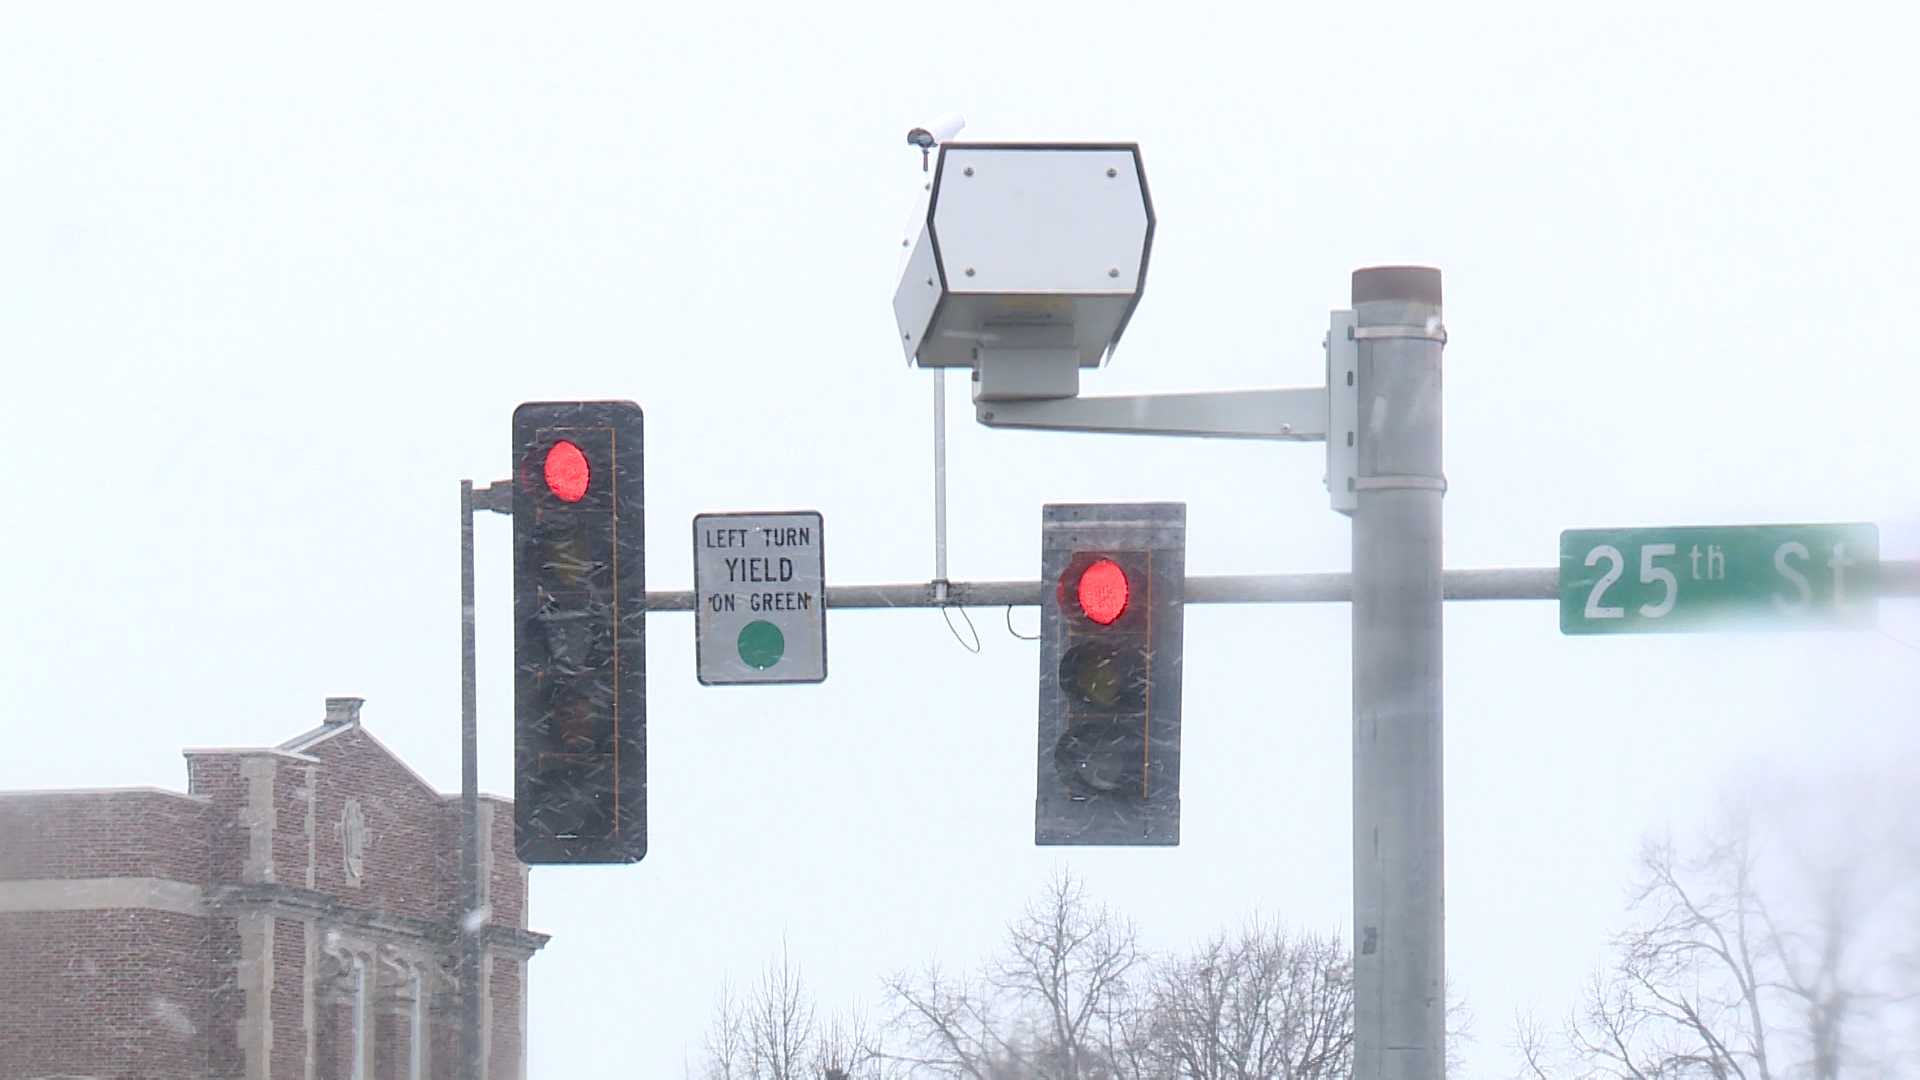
(780, 1023)
(726, 1041)
(1190, 996)
(1459, 1022)
(1070, 958)
(1126, 1034)
(1835, 941)
(951, 1023)
(1069, 997)
(1685, 994)
(1045, 1008)
(1252, 1006)
(774, 1034)
(1530, 1041)
(847, 1048)
(1812, 975)
(1725, 973)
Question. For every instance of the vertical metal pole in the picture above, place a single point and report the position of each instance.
(466, 926)
(940, 483)
(1398, 898)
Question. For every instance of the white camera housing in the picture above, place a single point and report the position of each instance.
(1028, 265)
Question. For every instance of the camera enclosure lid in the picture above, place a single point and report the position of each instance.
(1026, 246)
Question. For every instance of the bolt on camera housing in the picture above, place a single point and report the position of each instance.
(1028, 265)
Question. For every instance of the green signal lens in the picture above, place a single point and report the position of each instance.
(1102, 757)
(761, 644)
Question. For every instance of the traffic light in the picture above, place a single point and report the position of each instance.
(579, 642)
(1113, 579)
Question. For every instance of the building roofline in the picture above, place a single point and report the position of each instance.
(296, 748)
(485, 796)
(268, 751)
(313, 737)
(138, 789)
(343, 714)
(398, 760)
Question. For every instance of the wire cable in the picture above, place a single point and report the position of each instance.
(973, 648)
(1902, 642)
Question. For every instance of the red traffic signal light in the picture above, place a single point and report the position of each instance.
(1110, 636)
(1103, 592)
(567, 471)
(579, 646)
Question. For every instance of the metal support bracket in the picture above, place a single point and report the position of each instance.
(1288, 415)
(1344, 482)
(1402, 483)
(1002, 374)
(497, 497)
(1343, 411)
(1407, 333)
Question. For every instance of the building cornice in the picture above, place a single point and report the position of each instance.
(292, 902)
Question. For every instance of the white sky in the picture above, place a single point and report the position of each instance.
(271, 284)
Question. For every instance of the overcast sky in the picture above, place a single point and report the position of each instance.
(271, 284)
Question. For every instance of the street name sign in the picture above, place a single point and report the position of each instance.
(759, 598)
(1718, 577)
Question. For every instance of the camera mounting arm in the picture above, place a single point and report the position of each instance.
(1291, 415)
(1026, 389)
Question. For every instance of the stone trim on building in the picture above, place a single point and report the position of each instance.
(55, 793)
(288, 902)
(102, 894)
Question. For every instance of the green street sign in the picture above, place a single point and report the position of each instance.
(1718, 577)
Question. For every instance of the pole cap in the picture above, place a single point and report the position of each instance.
(1414, 284)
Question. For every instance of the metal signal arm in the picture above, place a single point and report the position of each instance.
(1290, 415)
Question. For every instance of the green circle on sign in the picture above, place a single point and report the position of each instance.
(761, 644)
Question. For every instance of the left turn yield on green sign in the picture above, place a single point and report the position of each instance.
(759, 598)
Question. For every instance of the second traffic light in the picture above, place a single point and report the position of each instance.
(1113, 579)
(579, 642)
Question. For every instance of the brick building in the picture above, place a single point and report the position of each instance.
(292, 916)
